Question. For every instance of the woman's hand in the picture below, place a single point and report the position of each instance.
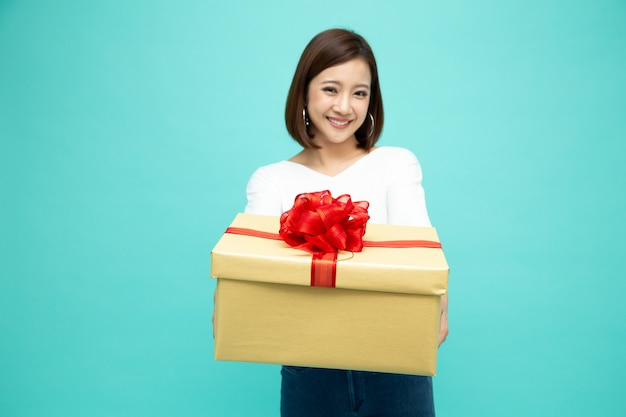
(443, 321)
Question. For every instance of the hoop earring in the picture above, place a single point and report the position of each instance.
(371, 124)
(305, 118)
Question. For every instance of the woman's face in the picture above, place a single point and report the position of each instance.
(338, 99)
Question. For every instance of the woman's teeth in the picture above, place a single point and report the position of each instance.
(338, 122)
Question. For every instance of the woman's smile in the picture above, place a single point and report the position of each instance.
(338, 101)
(338, 123)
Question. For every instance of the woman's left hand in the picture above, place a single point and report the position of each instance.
(443, 321)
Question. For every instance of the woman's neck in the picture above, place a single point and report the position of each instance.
(330, 160)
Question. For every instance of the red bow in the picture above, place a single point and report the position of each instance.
(317, 222)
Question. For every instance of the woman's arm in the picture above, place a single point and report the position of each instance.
(407, 205)
(263, 194)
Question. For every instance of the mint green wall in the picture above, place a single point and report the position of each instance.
(128, 131)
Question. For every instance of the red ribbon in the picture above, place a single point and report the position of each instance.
(366, 243)
(252, 232)
(324, 265)
(317, 222)
(324, 269)
(323, 225)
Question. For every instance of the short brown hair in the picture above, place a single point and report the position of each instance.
(327, 49)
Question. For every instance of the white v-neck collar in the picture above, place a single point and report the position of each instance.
(347, 169)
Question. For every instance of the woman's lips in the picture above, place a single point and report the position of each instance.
(339, 123)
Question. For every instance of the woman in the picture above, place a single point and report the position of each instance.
(335, 111)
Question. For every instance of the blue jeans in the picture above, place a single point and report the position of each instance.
(314, 392)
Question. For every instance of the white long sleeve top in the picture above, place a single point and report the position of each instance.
(389, 178)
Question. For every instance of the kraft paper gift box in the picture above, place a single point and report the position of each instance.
(382, 315)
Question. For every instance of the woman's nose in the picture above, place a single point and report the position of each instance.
(342, 104)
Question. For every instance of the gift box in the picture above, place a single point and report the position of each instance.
(374, 310)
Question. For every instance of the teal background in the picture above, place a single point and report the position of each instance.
(128, 132)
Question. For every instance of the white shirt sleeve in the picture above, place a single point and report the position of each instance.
(263, 194)
(406, 204)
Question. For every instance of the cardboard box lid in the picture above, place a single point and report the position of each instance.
(403, 270)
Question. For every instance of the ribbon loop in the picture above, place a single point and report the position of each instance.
(319, 223)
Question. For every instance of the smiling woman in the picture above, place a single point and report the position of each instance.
(334, 110)
(329, 51)
(338, 102)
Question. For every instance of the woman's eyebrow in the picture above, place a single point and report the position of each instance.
(338, 83)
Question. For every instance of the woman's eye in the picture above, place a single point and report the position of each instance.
(330, 89)
(361, 93)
